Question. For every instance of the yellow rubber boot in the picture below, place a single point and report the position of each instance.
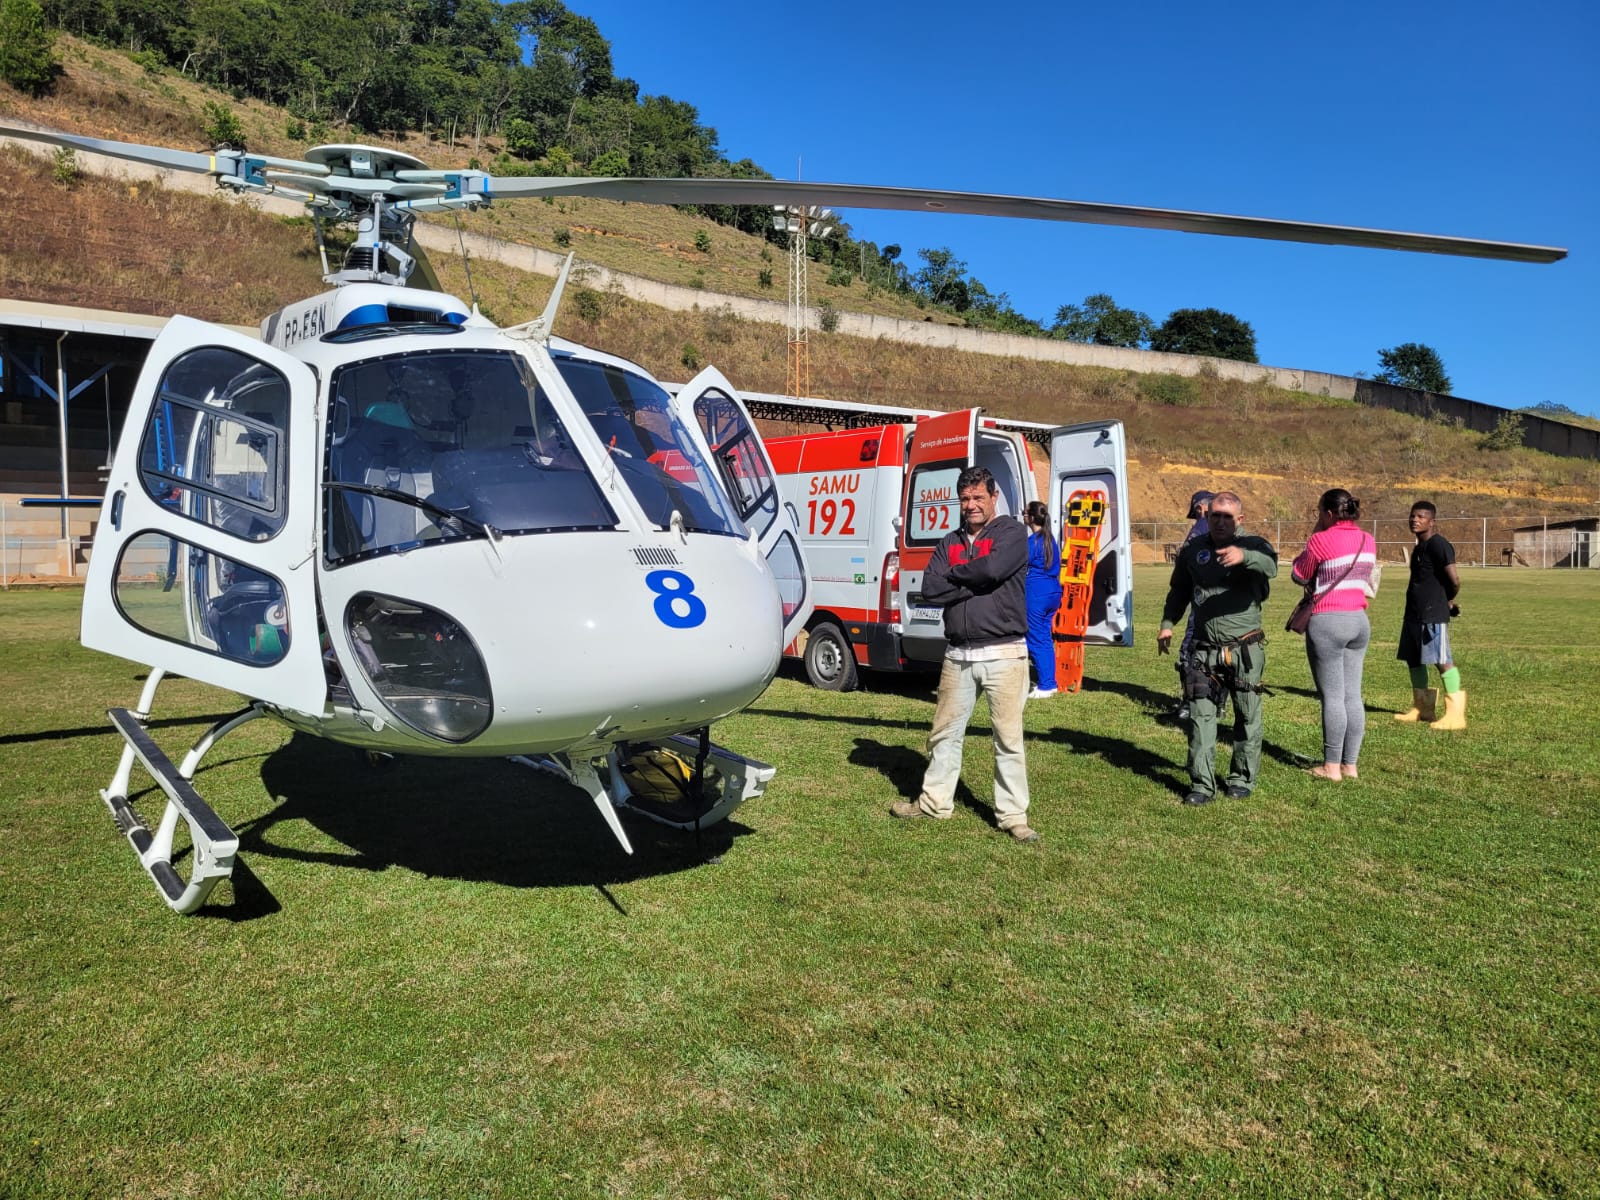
(1422, 706)
(1455, 712)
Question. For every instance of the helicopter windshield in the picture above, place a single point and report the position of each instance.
(445, 444)
(650, 448)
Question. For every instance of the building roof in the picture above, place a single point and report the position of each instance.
(1591, 523)
(61, 318)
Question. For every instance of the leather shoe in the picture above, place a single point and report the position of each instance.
(1235, 792)
(1199, 798)
(1023, 834)
(908, 810)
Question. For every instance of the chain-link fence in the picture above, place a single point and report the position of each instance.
(1479, 541)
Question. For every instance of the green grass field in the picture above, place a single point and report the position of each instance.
(444, 979)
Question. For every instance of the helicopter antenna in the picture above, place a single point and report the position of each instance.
(322, 245)
(539, 328)
(465, 264)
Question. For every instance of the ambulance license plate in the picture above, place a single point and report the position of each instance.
(919, 613)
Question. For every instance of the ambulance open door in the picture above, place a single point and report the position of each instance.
(1094, 458)
(941, 448)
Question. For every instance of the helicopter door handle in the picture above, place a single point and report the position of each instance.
(116, 511)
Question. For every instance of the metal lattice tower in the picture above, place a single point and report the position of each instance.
(798, 221)
(797, 378)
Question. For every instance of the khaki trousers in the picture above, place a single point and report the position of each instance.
(1005, 683)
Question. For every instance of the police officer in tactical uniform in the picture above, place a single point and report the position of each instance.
(1224, 575)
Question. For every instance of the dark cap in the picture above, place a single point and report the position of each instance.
(1196, 500)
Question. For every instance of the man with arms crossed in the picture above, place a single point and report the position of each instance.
(1425, 630)
(1224, 575)
(979, 575)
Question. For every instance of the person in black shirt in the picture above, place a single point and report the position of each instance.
(1425, 630)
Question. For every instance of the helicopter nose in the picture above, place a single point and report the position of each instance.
(602, 638)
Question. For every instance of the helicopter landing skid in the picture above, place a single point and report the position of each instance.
(213, 843)
(728, 780)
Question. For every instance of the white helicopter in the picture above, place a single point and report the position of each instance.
(392, 524)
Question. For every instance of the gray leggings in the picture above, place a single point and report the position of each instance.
(1336, 644)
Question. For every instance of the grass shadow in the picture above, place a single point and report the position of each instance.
(482, 820)
(903, 767)
(1146, 697)
(1124, 755)
(251, 898)
(204, 720)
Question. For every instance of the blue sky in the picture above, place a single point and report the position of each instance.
(1464, 118)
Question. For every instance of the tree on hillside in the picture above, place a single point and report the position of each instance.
(1100, 321)
(27, 47)
(1207, 331)
(1413, 365)
(943, 280)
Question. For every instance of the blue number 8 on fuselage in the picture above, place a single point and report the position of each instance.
(676, 605)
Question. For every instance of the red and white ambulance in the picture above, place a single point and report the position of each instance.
(873, 501)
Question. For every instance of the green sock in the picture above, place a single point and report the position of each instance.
(1419, 677)
(1451, 680)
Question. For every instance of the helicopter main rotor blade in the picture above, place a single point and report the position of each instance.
(235, 165)
(852, 195)
(428, 190)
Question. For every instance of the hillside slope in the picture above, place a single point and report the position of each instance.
(108, 244)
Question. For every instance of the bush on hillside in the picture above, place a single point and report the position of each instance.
(613, 164)
(1506, 435)
(1178, 391)
(64, 168)
(223, 127)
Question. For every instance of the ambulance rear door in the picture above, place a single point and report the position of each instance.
(941, 448)
(1005, 453)
(1094, 457)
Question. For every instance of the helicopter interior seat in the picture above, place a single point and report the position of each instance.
(240, 618)
(382, 449)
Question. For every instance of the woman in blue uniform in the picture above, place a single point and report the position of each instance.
(1044, 597)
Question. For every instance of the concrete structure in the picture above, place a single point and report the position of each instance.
(1574, 543)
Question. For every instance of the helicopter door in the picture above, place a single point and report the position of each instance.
(1094, 458)
(941, 448)
(204, 558)
(709, 406)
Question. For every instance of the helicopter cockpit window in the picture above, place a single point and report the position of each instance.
(212, 450)
(438, 445)
(649, 446)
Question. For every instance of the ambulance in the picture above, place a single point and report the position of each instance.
(874, 500)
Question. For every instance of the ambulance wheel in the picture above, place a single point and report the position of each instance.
(830, 663)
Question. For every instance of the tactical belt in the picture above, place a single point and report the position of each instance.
(1224, 677)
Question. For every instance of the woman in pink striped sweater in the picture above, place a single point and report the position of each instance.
(1342, 560)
